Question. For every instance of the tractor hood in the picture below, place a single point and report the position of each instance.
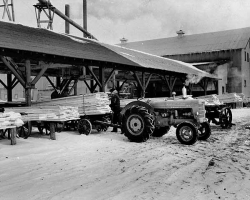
(178, 103)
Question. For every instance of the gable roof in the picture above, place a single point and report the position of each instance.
(197, 43)
(22, 38)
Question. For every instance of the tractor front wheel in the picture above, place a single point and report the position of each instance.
(138, 124)
(187, 133)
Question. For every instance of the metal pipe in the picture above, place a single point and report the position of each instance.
(85, 15)
(60, 14)
(67, 13)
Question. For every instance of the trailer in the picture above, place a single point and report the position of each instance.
(100, 122)
(219, 114)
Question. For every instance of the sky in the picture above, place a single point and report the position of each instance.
(136, 20)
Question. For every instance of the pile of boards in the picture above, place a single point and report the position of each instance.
(8, 119)
(88, 104)
(46, 113)
(211, 99)
(230, 98)
(223, 98)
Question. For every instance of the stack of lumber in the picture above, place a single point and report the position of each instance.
(46, 113)
(10, 119)
(96, 103)
(89, 104)
(75, 101)
(210, 99)
(229, 98)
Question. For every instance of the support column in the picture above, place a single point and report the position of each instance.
(9, 87)
(102, 78)
(28, 93)
(58, 82)
(28, 83)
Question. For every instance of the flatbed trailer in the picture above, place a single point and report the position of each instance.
(219, 114)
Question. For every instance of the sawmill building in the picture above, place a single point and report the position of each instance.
(224, 53)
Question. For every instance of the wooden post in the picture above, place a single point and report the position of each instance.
(28, 93)
(9, 87)
(13, 136)
(52, 131)
(28, 84)
(102, 78)
(58, 82)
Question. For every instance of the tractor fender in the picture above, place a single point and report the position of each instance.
(137, 103)
(187, 122)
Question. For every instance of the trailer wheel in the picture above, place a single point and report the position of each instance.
(204, 131)
(225, 117)
(84, 126)
(187, 133)
(138, 124)
(159, 132)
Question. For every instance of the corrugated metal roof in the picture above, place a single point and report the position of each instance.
(197, 43)
(19, 37)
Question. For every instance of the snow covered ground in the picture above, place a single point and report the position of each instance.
(106, 165)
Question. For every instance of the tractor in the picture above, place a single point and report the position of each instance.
(153, 117)
(140, 119)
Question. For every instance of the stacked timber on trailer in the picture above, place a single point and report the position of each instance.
(88, 104)
(46, 113)
(210, 99)
(229, 98)
(8, 119)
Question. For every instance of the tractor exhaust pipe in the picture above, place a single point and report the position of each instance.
(60, 14)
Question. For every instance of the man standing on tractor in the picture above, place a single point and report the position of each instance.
(115, 107)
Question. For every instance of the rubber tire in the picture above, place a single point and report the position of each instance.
(159, 132)
(228, 122)
(138, 114)
(204, 131)
(192, 128)
(84, 126)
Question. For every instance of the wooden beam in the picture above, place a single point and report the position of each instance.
(51, 83)
(94, 76)
(28, 83)
(17, 75)
(137, 80)
(146, 85)
(73, 87)
(110, 76)
(87, 84)
(14, 85)
(9, 87)
(5, 86)
(102, 78)
(13, 81)
(36, 79)
(120, 87)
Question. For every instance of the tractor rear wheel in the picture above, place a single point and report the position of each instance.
(138, 124)
(159, 132)
(187, 133)
(204, 131)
